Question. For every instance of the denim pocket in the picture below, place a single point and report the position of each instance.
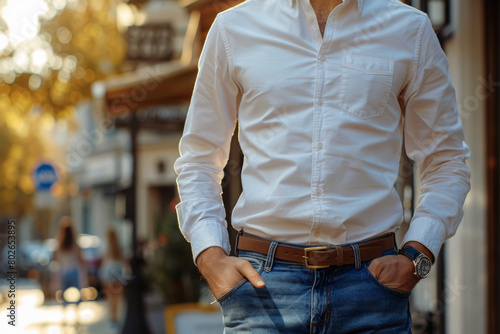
(256, 263)
(228, 294)
(382, 286)
(366, 84)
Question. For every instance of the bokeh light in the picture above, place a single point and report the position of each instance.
(22, 18)
(59, 296)
(33, 274)
(24, 46)
(71, 294)
(64, 35)
(89, 293)
(35, 82)
(30, 297)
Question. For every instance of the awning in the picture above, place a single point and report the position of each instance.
(161, 84)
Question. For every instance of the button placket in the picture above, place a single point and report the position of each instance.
(310, 17)
(317, 191)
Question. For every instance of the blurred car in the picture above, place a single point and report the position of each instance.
(29, 254)
(33, 257)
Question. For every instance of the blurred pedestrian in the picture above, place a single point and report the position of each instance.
(112, 276)
(72, 271)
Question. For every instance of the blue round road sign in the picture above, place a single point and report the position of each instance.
(45, 176)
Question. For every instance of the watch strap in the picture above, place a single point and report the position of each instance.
(410, 252)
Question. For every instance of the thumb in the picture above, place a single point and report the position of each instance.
(247, 271)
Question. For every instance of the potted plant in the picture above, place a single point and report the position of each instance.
(171, 270)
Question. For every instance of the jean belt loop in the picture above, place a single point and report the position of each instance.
(357, 256)
(396, 248)
(270, 256)
(236, 250)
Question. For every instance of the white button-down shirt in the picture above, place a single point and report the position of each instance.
(321, 125)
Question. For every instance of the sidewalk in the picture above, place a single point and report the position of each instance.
(34, 315)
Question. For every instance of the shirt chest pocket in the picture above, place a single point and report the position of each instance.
(365, 85)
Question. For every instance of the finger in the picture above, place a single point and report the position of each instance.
(374, 267)
(247, 271)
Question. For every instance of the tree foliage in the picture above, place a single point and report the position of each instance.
(79, 44)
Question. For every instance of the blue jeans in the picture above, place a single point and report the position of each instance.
(69, 278)
(300, 300)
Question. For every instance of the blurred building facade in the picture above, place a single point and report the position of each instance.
(103, 170)
(457, 300)
(473, 254)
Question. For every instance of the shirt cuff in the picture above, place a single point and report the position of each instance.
(428, 231)
(209, 233)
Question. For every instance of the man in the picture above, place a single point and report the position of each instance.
(324, 92)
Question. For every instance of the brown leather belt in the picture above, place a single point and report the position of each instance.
(319, 256)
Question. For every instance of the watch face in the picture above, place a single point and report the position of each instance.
(423, 266)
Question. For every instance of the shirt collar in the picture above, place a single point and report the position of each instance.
(360, 4)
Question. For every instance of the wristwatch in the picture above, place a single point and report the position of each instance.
(421, 262)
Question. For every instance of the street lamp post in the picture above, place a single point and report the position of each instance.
(135, 318)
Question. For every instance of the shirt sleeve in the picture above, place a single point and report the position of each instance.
(204, 146)
(434, 139)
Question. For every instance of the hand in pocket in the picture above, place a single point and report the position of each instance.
(224, 272)
(395, 272)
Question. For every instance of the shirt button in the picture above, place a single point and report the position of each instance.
(320, 102)
(323, 58)
(310, 19)
(316, 234)
(318, 191)
(319, 146)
